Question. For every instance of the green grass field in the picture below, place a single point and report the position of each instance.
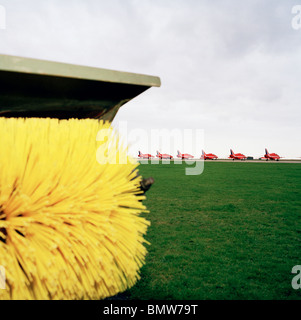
(233, 232)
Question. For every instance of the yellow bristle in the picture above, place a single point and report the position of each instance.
(70, 224)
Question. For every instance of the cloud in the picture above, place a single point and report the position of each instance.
(231, 68)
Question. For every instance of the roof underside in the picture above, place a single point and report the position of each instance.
(36, 88)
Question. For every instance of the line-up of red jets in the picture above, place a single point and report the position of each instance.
(207, 156)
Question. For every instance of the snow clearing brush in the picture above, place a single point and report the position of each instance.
(70, 195)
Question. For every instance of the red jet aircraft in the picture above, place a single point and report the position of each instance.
(209, 156)
(184, 155)
(164, 156)
(144, 156)
(237, 156)
(271, 156)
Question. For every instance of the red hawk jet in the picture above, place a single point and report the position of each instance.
(144, 156)
(237, 156)
(164, 156)
(209, 156)
(271, 156)
(184, 155)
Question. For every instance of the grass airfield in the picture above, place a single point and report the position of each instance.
(233, 232)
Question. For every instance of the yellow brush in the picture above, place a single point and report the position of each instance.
(70, 224)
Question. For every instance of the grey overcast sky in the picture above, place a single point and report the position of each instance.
(231, 68)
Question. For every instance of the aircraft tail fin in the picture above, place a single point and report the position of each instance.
(139, 153)
(231, 151)
(203, 152)
(179, 153)
(266, 151)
